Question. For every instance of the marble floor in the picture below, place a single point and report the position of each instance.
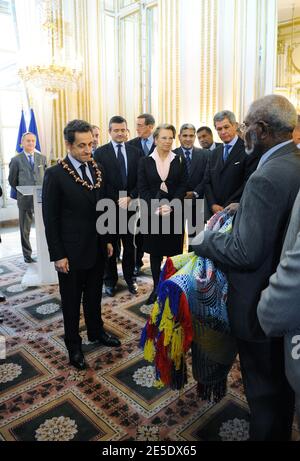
(11, 241)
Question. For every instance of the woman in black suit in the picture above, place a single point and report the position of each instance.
(162, 175)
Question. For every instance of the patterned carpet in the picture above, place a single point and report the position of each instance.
(43, 398)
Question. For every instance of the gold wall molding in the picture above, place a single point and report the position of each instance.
(169, 68)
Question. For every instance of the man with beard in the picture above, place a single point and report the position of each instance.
(251, 253)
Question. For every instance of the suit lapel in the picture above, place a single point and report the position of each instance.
(152, 148)
(89, 194)
(24, 160)
(233, 156)
(194, 162)
(129, 163)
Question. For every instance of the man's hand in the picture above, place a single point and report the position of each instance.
(110, 250)
(164, 210)
(124, 202)
(215, 208)
(232, 208)
(62, 265)
(189, 194)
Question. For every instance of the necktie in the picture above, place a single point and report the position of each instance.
(226, 151)
(188, 161)
(84, 175)
(31, 161)
(122, 165)
(145, 148)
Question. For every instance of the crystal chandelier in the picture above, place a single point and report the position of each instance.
(51, 78)
(55, 75)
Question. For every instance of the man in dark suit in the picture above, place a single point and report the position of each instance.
(205, 138)
(196, 160)
(120, 164)
(228, 166)
(251, 253)
(26, 169)
(71, 190)
(144, 127)
(145, 124)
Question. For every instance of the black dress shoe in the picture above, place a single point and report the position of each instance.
(2, 298)
(110, 291)
(133, 288)
(106, 339)
(30, 260)
(77, 359)
(152, 298)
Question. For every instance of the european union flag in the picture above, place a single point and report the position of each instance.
(22, 130)
(19, 148)
(33, 129)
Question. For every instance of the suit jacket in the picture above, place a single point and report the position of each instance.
(137, 143)
(279, 307)
(226, 181)
(21, 174)
(149, 183)
(217, 145)
(197, 178)
(69, 213)
(251, 253)
(106, 157)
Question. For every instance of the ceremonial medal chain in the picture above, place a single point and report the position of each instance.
(81, 181)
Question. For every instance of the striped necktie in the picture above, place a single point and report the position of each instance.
(188, 161)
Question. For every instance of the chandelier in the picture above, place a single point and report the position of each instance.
(51, 78)
(54, 75)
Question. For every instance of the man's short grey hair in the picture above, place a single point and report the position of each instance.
(275, 110)
(187, 126)
(26, 134)
(220, 116)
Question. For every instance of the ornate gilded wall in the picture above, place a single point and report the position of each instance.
(181, 59)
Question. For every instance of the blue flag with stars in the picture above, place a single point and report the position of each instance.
(22, 130)
(19, 148)
(33, 129)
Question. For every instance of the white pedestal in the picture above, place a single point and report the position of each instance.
(42, 272)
